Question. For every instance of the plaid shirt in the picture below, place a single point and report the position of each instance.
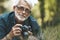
(7, 21)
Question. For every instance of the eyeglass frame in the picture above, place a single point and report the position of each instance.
(24, 9)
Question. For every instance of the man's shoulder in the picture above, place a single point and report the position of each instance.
(5, 15)
(32, 18)
(33, 21)
(34, 24)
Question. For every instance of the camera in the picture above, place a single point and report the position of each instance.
(25, 30)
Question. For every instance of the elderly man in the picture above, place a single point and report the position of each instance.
(19, 24)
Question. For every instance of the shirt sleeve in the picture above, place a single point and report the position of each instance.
(36, 29)
(2, 29)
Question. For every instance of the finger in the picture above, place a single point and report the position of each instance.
(16, 29)
(17, 33)
(18, 25)
(30, 33)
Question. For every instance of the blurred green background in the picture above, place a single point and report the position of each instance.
(47, 14)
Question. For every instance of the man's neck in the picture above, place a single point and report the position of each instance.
(19, 21)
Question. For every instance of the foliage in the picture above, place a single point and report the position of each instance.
(47, 14)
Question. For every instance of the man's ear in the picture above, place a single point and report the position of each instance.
(14, 8)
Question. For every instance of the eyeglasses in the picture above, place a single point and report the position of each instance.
(23, 9)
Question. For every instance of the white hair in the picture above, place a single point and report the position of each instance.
(30, 2)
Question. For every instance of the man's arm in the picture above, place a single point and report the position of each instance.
(36, 28)
(15, 31)
(37, 36)
(7, 37)
(3, 30)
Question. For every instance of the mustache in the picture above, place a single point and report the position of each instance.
(23, 15)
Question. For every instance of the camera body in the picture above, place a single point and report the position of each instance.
(25, 30)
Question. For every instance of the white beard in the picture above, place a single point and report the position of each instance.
(21, 18)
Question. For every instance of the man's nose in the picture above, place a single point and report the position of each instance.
(24, 11)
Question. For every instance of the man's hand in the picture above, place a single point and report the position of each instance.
(30, 33)
(16, 30)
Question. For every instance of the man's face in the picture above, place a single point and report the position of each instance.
(22, 11)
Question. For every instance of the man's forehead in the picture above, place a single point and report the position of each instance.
(23, 3)
(30, 2)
